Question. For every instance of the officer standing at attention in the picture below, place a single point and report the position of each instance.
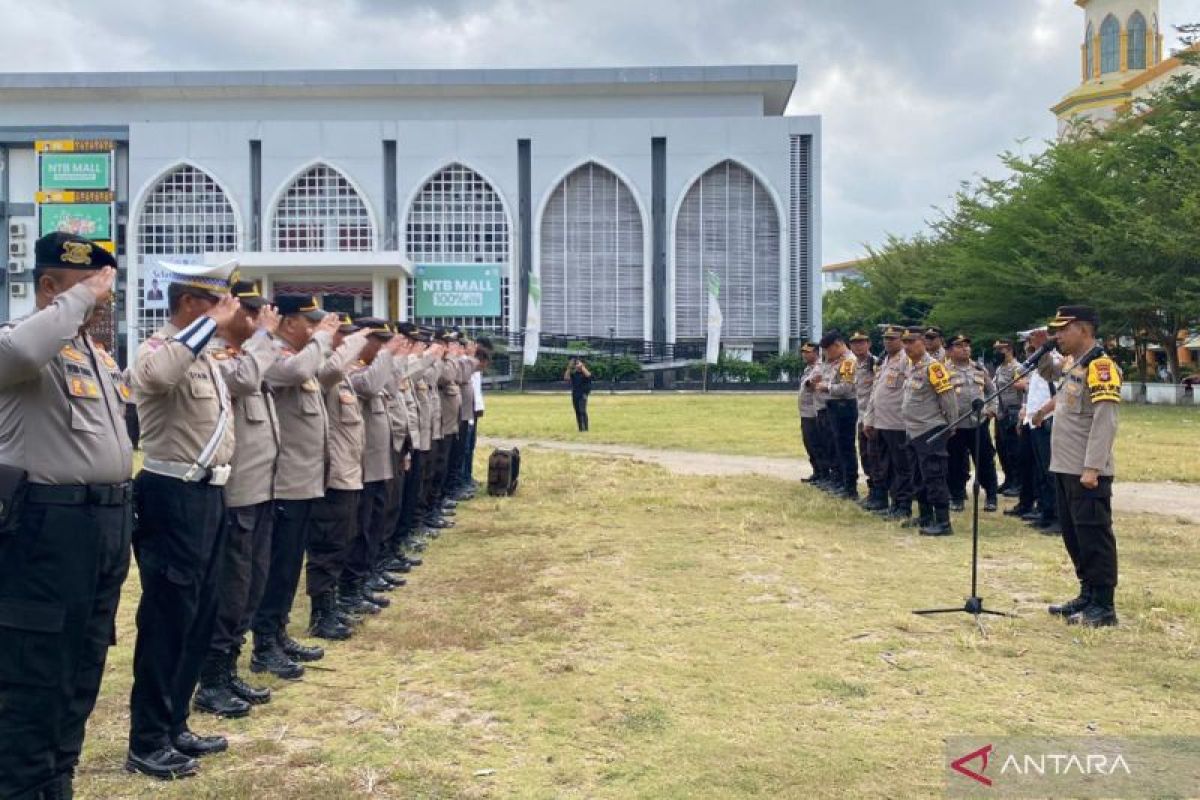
(1009, 419)
(935, 344)
(971, 383)
(929, 405)
(868, 446)
(1081, 446)
(810, 434)
(839, 391)
(885, 423)
(65, 462)
(244, 355)
(188, 438)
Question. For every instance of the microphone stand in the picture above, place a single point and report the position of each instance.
(974, 603)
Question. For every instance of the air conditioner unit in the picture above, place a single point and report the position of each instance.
(18, 290)
(16, 230)
(16, 248)
(15, 268)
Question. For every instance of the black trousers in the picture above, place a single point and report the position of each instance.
(410, 502)
(1086, 517)
(929, 462)
(1008, 445)
(899, 469)
(369, 531)
(435, 472)
(874, 460)
(1027, 467)
(468, 470)
(61, 571)
(244, 574)
(287, 561)
(332, 525)
(963, 454)
(179, 545)
(392, 532)
(454, 463)
(1042, 475)
(843, 420)
(810, 434)
(831, 470)
(579, 401)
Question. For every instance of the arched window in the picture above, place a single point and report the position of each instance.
(592, 258)
(728, 224)
(1110, 45)
(184, 216)
(459, 218)
(1136, 35)
(321, 211)
(1089, 44)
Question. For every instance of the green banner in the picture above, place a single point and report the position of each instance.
(76, 171)
(90, 220)
(457, 290)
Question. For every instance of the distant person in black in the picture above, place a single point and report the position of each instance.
(581, 386)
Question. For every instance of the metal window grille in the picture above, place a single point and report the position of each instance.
(185, 215)
(728, 224)
(800, 268)
(1110, 44)
(321, 212)
(1136, 57)
(459, 218)
(592, 257)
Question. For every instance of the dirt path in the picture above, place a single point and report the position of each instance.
(1172, 499)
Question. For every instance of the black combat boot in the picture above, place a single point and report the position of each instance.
(991, 504)
(1100, 611)
(924, 517)
(215, 696)
(268, 656)
(324, 623)
(958, 503)
(353, 599)
(296, 651)
(877, 500)
(940, 526)
(253, 695)
(1073, 606)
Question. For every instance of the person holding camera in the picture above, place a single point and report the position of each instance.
(581, 386)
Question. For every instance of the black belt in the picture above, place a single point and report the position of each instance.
(841, 401)
(95, 494)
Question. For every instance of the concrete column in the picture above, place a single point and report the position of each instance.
(379, 298)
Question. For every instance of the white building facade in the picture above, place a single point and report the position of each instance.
(616, 191)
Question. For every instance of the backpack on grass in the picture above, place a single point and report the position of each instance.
(504, 469)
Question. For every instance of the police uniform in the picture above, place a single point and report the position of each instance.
(65, 464)
(333, 521)
(971, 382)
(248, 518)
(410, 425)
(810, 431)
(933, 341)
(1085, 431)
(299, 480)
(869, 447)
(838, 388)
(449, 372)
(884, 417)
(188, 438)
(928, 406)
(1008, 421)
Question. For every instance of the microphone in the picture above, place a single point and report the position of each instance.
(1031, 362)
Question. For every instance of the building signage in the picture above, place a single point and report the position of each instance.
(457, 290)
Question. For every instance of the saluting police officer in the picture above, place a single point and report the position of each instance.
(1084, 433)
(838, 389)
(929, 405)
(243, 354)
(885, 424)
(188, 438)
(65, 464)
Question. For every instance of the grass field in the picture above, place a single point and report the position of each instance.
(615, 631)
(1155, 443)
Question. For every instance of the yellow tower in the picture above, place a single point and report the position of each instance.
(1121, 40)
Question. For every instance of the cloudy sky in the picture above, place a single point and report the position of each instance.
(916, 95)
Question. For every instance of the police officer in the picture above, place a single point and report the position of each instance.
(413, 431)
(971, 383)
(1012, 397)
(838, 388)
(188, 438)
(1084, 433)
(305, 337)
(809, 403)
(885, 423)
(869, 447)
(243, 356)
(929, 405)
(65, 463)
(935, 343)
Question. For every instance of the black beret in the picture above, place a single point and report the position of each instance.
(247, 294)
(1068, 314)
(375, 326)
(932, 331)
(308, 307)
(68, 251)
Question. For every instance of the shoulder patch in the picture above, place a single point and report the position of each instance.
(939, 377)
(1104, 380)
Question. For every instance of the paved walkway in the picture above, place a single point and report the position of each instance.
(1173, 499)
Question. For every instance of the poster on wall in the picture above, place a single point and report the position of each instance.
(457, 290)
(155, 279)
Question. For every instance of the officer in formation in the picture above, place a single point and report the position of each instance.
(835, 382)
(883, 426)
(971, 382)
(65, 517)
(1008, 420)
(870, 448)
(811, 424)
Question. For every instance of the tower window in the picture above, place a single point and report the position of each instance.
(1136, 56)
(1110, 45)
(1089, 44)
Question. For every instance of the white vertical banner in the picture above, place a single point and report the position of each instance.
(712, 349)
(533, 321)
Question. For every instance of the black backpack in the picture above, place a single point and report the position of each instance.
(504, 468)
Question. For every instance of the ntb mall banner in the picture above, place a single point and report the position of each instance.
(457, 290)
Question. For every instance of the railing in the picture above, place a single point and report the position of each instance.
(648, 353)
